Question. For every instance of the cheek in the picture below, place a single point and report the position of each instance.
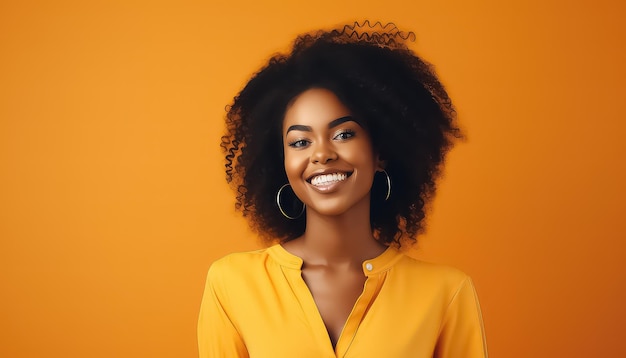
(360, 155)
(293, 166)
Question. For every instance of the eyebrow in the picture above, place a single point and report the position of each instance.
(334, 123)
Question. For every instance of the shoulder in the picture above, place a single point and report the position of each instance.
(235, 273)
(434, 276)
(238, 263)
(235, 278)
(420, 267)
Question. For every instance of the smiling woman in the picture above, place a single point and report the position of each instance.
(352, 128)
(329, 159)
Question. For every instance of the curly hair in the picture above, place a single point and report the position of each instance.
(393, 92)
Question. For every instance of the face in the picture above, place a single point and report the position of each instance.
(329, 159)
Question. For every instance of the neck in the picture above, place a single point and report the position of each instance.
(340, 239)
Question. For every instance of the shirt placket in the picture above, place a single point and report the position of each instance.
(371, 289)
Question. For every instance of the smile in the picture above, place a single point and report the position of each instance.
(326, 179)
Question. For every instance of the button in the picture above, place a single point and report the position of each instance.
(369, 266)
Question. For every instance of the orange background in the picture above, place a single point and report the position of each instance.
(112, 194)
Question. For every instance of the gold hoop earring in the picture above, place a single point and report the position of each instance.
(281, 208)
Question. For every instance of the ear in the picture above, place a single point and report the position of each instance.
(381, 164)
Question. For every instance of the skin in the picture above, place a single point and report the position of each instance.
(320, 136)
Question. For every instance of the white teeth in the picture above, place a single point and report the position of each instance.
(326, 179)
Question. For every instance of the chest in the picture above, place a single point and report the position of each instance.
(381, 316)
(335, 293)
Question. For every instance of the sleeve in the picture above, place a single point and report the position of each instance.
(462, 333)
(217, 336)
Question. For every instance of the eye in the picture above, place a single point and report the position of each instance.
(299, 143)
(345, 134)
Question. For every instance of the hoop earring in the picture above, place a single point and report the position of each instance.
(388, 185)
(281, 208)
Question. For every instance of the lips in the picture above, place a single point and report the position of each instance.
(328, 178)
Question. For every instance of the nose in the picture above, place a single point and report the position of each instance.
(323, 153)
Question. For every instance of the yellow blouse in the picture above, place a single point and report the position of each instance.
(257, 305)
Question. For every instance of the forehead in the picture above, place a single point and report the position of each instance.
(313, 107)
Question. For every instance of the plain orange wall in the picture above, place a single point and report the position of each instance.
(113, 203)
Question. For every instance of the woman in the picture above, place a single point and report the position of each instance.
(333, 150)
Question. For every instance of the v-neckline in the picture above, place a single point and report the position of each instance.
(375, 272)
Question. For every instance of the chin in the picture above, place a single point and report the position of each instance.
(337, 206)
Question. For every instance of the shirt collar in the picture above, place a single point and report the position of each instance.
(376, 265)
